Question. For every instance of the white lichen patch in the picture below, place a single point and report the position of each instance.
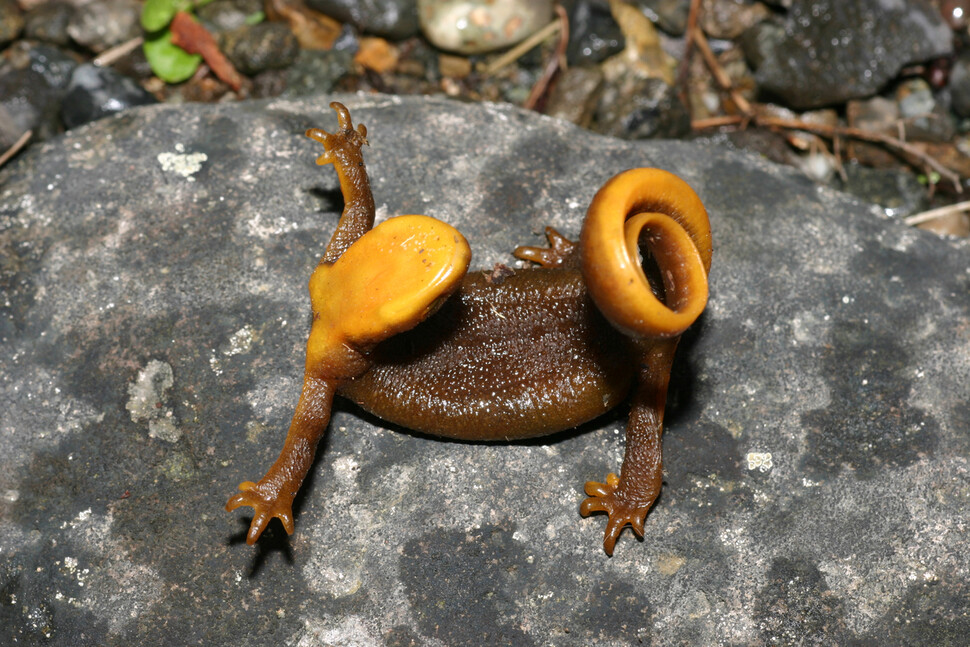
(760, 461)
(180, 163)
(241, 341)
(146, 401)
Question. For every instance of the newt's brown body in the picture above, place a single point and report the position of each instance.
(526, 357)
(401, 328)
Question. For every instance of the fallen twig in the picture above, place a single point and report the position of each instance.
(720, 76)
(513, 54)
(17, 145)
(556, 62)
(683, 73)
(831, 132)
(933, 214)
(111, 56)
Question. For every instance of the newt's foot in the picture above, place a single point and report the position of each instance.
(346, 136)
(561, 251)
(266, 504)
(603, 497)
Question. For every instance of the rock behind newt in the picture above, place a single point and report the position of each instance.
(153, 268)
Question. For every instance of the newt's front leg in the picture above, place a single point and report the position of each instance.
(370, 284)
(273, 495)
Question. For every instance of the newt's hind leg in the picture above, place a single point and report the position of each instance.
(561, 252)
(343, 151)
(627, 499)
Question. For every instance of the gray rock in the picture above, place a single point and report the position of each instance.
(394, 19)
(227, 15)
(925, 118)
(102, 24)
(31, 91)
(834, 51)
(96, 92)
(575, 95)
(11, 21)
(641, 108)
(668, 15)
(594, 34)
(959, 85)
(316, 72)
(266, 46)
(48, 22)
(181, 238)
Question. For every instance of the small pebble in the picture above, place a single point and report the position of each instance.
(925, 119)
(479, 26)
(102, 24)
(49, 22)
(593, 32)
(576, 94)
(669, 15)
(641, 109)
(11, 21)
(95, 92)
(729, 18)
(960, 85)
(31, 90)
(376, 54)
(222, 16)
(266, 46)
(316, 72)
(392, 19)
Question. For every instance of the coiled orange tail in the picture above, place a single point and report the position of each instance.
(659, 210)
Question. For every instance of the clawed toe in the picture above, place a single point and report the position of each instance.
(265, 505)
(561, 251)
(603, 497)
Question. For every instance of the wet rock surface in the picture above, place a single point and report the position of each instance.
(154, 269)
(833, 51)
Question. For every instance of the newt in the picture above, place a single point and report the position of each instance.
(403, 329)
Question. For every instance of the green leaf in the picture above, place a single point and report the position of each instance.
(169, 62)
(156, 14)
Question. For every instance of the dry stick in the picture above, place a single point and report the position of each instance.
(110, 56)
(720, 76)
(520, 49)
(833, 131)
(892, 142)
(683, 73)
(557, 62)
(20, 143)
(933, 214)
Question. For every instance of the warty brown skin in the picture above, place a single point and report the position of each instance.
(505, 354)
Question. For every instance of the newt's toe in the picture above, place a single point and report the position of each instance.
(265, 504)
(604, 497)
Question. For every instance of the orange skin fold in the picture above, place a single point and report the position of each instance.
(404, 330)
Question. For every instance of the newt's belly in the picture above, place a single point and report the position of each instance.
(528, 357)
